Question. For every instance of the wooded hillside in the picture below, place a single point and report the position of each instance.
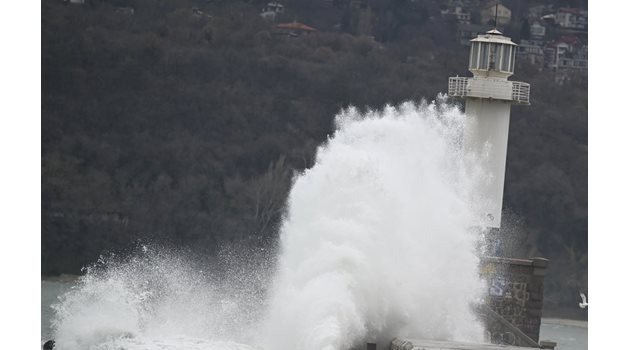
(186, 126)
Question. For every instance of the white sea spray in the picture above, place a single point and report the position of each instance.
(376, 244)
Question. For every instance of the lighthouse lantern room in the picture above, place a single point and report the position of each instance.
(492, 54)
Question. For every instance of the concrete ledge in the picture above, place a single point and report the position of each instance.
(546, 344)
(427, 344)
(535, 262)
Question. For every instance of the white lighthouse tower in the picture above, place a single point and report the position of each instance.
(488, 96)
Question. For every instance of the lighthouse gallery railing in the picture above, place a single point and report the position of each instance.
(514, 91)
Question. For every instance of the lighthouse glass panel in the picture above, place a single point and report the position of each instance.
(505, 63)
(493, 57)
(474, 56)
(512, 56)
(483, 57)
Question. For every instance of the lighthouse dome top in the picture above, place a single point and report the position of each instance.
(493, 36)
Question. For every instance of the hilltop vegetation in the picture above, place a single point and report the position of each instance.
(181, 127)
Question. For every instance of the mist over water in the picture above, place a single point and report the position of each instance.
(376, 244)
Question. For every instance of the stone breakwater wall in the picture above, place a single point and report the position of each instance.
(515, 292)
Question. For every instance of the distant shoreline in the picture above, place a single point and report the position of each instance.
(551, 312)
(60, 278)
(565, 322)
(556, 316)
(560, 316)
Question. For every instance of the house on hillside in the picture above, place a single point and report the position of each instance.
(504, 14)
(566, 53)
(458, 13)
(293, 29)
(549, 18)
(532, 51)
(537, 30)
(272, 10)
(537, 11)
(572, 18)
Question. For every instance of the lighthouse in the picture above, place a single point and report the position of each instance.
(489, 95)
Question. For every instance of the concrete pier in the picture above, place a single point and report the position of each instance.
(425, 344)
